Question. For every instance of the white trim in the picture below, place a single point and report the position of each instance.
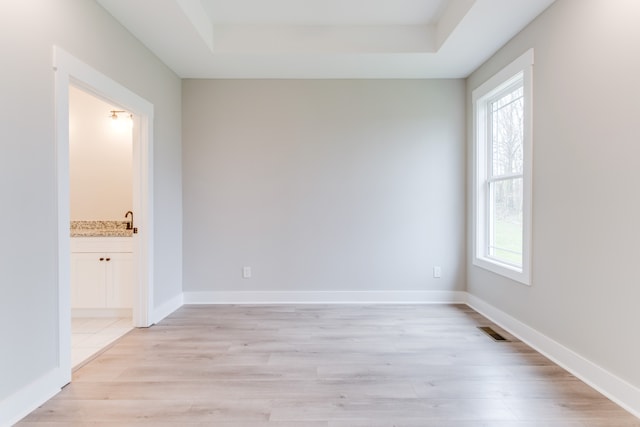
(143, 204)
(615, 388)
(167, 308)
(321, 297)
(523, 61)
(26, 400)
(61, 94)
(520, 68)
(70, 70)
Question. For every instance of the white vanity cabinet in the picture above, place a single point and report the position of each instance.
(101, 273)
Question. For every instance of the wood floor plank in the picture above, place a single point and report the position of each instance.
(324, 366)
(240, 389)
(372, 409)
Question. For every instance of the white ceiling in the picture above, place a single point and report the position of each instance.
(325, 12)
(324, 38)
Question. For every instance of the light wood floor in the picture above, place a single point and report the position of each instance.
(324, 366)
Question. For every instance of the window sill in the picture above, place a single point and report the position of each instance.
(508, 271)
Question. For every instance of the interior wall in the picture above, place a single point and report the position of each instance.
(28, 248)
(586, 170)
(325, 185)
(100, 160)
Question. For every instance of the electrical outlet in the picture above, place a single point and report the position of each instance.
(437, 272)
(246, 272)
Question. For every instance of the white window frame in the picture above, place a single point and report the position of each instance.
(521, 68)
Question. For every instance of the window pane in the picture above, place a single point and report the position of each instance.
(507, 133)
(506, 230)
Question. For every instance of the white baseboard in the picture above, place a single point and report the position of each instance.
(23, 402)
(618, 390)
(167, 308)
(329, 297)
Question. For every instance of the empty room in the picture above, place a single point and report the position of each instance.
(320, 213)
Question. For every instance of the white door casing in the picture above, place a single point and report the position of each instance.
(70, 70)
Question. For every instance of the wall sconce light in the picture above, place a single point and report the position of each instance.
(114, 114)
(119, 123)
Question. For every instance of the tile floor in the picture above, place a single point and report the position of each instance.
(89, 335)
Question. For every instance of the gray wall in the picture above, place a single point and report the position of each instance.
(586, 170)
(28, 247)
(336, 185)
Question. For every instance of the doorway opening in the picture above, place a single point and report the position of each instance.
(72, 74)
(101, 228)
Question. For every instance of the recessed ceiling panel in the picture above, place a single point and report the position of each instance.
(324, 38)
(324, 12)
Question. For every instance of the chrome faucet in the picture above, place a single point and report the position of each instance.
(130, 223)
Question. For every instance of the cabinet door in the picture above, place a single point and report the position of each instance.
(120, 280)
(88, 284)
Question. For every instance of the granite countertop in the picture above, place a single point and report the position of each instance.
(100, 229)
